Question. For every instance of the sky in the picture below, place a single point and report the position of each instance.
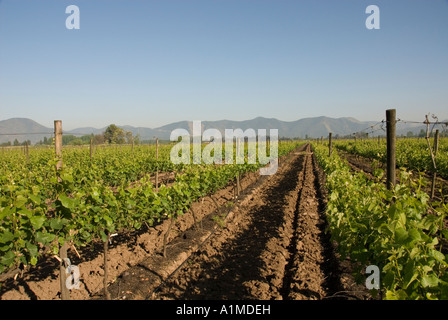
(153, 62)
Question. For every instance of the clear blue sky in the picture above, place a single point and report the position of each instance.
(149, 63)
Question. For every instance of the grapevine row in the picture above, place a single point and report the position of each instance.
(397, 230)
(412, 154)
(39, 212)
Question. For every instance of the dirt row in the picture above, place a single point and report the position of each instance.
(275, 246)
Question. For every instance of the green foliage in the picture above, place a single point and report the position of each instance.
(412, 154)
(94, 198)
(114, 135)
(398, 230)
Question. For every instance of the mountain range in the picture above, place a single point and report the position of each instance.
(26, 129)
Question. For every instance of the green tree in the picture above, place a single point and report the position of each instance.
(67, 139)
(114, 135)
(129, 137)
(137, 139)
(99, 139)
(422, 133)
(76, 142)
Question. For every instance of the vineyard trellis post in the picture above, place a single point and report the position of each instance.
(58, 144)
(106, 249)
(391, 138)
(65, 293)
(91, 149)
(434, 176)
(329, 144)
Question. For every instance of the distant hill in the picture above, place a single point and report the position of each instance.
(23, 129)
(26, 129)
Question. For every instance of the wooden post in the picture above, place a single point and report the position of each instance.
(329, 144)
(436, 142)
(434, 176)
(58, 143)
(165, 236)
(65, 292)
(391, 137)
(91, 149)
(106, 249)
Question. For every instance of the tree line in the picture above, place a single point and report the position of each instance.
(112, 135)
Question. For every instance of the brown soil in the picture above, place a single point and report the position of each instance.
(273, 246)
(267, 243)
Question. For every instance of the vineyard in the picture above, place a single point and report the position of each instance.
(124, 214)
(44, 210)
(412, 154)
(399, 230)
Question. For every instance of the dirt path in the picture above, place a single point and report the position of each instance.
(273, 247)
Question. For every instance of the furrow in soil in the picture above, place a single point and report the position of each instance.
(271, 249)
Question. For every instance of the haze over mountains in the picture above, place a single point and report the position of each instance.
(26, 129)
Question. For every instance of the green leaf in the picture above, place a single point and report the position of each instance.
(8, 258)
(32, 249)
(396, 295)
(401, 235)
(414, 235)
(439, 256)
(35, 199)
(57, 223)
(103, 236)
(6, 236)
(430, 280)
(445, 234)
(410, 274)
(20, 201)
(44, 238)
(37, 221)
(66, 201)
(402, 219)
(391, 211)
(4, 212)
(67, 177)
(109, 221)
